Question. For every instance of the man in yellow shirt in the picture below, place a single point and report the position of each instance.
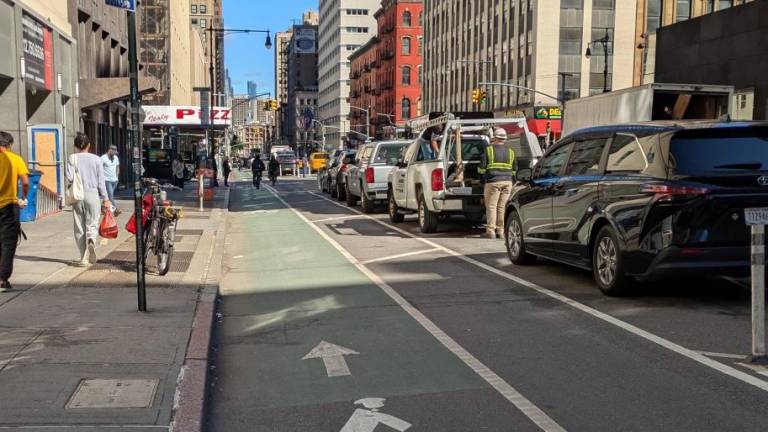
(12, 169)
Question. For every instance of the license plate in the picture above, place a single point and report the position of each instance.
(462, 191)
(381, 195)
(756, 216)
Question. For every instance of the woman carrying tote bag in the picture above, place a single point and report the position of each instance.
(86, 167)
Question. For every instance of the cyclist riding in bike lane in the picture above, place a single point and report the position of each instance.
(274, 169)
(257, 168)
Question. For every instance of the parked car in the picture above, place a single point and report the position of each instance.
(287, 162)
(646, 200)
(367, 176)
(318, 161)
(337, 174)
(449, 182)
(323, 179)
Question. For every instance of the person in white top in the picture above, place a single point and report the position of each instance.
(111, 164)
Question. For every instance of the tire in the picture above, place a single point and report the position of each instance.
(427, 220)
(365, 203)
(351, 201)
(394, 211)
(608, 264)
(515, 240)
(164, 261)
(332, 189)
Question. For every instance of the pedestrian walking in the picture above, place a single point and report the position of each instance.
(497, 166)
(12, 171)
(86, 212)
(227, 168)
(177, 169)
(304, 166)
(111, 164)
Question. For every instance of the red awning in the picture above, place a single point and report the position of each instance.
(539, 126)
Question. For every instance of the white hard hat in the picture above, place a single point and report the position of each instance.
(500, 133)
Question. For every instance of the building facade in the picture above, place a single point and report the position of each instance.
(654, 14)
(534, 44)
(205, 15)
(282, 41)
(721, 48)
(302, 87)
(387, 72)
(345, 25)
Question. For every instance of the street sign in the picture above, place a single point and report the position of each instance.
(122, 4)
(756, 216)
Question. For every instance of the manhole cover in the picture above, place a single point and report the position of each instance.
(113, 393)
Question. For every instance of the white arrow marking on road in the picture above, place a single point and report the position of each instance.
(366, 420)
(333, 358)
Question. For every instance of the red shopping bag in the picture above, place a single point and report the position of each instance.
(108, 227)
(146, 204)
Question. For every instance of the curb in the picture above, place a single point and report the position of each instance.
(192, 383)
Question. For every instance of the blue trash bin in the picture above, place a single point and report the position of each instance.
(29, 213)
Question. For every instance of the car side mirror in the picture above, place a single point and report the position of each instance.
(525, 175)
(402, 164)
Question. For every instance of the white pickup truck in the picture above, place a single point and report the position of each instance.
(449, 183)
(367, 177)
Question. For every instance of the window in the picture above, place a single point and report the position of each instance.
(682, 10)
(718, 152)
(406, 75)
(420, 70)
(407, 18)
(194, 9)
(406, 46)
(626, 155)
(585, 157)
(654, 16)
(203, 9)
(421, 44)
(202, 22)
(406, 109)
(421, 19)
(553, 163)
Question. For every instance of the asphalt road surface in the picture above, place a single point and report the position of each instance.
(332, 320)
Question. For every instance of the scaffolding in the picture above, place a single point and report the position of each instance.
(154, 48)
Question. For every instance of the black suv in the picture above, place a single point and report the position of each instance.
(636, 201)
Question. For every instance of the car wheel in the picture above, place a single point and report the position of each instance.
(427, 219)
(365, 203)
(394, 211)
(608, 265)
(516, 241)
(332, 189)
(351, 201)
(341, 192)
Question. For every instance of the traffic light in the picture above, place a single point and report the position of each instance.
(268, 106)
(483, 96)
(273, 105)
(476, 96)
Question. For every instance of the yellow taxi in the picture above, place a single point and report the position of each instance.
(318, 161)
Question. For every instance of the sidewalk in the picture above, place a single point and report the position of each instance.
(75, 354)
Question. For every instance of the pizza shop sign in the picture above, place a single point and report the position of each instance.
(168, 115)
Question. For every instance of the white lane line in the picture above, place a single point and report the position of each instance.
(658, 340)
(722, 355)
(337, 218)
(402, 255)
(534, 413)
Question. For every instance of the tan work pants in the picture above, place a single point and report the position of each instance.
(496, 197)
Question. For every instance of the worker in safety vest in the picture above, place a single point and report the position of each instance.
(498, 168)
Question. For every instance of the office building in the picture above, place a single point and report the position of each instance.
(253, 88)
(534, 44)
(282, 40)
(302, 87)
(654, 14)
(345, 25)
(720, 48)
(386, 72)
(205, 15)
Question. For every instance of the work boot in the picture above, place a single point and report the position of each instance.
(489, 235)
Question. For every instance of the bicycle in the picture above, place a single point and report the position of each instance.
(273, 178)
(257, 179)
(160, 227)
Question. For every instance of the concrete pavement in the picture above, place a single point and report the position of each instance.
(74, 352)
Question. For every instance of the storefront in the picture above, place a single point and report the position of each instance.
(179, 130)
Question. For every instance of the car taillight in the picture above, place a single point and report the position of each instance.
(665, 192)
(369, 175)
(437, 180)
(343, 168)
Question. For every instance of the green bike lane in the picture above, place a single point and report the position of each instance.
(307, 342)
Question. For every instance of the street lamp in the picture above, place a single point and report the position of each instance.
(604, 41)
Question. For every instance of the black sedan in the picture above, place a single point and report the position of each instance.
(638, 201)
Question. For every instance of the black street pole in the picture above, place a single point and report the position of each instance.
(137, 160)
(605, 70)
(212, 89)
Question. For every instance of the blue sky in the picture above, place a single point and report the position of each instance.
(245, 55)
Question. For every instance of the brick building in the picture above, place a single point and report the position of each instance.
(386, 73)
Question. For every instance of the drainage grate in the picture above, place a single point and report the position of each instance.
(123, 261)
(113, 393)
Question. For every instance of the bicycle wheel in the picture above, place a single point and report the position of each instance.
(149, 239)
(165, 252)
